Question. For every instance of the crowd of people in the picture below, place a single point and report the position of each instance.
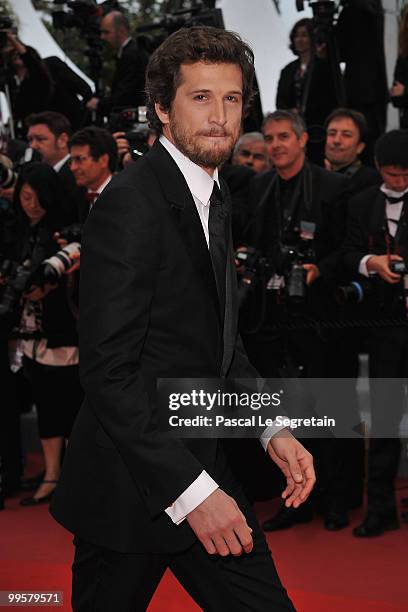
(330, 211)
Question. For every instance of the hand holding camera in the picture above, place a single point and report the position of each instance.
(382, 265)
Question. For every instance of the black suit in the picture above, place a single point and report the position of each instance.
(78, 205)
(387, 344)
(128, 83)
(321, 99)
(148, 288)
(67, 85)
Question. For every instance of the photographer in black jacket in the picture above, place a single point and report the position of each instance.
(48, 320)
(302, 206)
(377, 241)
(31, 86)
(127, 89)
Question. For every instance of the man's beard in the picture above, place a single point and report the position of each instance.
(189, 145)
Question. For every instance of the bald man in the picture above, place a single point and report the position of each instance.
(127, 89)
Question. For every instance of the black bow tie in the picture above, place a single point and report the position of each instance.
(398, 200)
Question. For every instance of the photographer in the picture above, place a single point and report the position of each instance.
(127, 89)
(346, 135)
(306, 84)
(48, 134)
(94, 158)
(299, 208)
(377, 241)
(251, 151)
(31, 86)
(48, 323)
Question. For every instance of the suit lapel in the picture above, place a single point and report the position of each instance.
(184, 210)
(231, 305)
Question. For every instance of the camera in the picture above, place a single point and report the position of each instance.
(20, 277)
(8, 177)
(16, 275)
(398, 267)
(291, 259)
(81, 14)
(5, 25)
(133, 122)
(71, 233)
(51, 270)
(251, 266)
(356, 292)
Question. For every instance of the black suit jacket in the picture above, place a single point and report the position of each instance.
(366, 231)
(76, 199)
(128, 83)
(148, 309)
(329, 195)
(322, 98)
(67, 86)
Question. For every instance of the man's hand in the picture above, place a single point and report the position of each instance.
(123, 147)
(35, 294)
(61, 241)
(220, 525)
(92, 104)
(296, 464)
(7, 194)
(14, 43)
(398, 89)
(313, 272)
(380, 265)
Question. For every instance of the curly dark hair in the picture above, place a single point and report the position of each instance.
(188, 46)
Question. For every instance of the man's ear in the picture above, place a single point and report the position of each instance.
(105, 160)
(62, 140)
(303, 138)
(360, 147)
(163, 115)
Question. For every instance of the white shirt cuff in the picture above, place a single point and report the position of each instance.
(268, 433)
(362, 267)
(192, 497)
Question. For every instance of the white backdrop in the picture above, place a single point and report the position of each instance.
(257, 21)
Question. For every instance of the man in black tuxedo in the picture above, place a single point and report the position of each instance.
(377, 238)
(296, 203)
(158, 300)
(127, 89)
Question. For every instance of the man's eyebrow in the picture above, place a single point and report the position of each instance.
(195, 91)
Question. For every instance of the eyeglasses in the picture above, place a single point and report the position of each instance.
(247, 154)
(78, 159)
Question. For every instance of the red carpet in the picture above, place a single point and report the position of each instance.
(323, 572)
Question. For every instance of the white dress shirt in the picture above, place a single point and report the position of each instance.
(392, 215)
(57, 167)
(99, 190)
(200, 184)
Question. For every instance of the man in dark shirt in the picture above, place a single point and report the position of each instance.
(127, 89)
(291, 204)
(346, 133)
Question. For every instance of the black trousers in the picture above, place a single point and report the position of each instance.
(105, 580)
(57, 394)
